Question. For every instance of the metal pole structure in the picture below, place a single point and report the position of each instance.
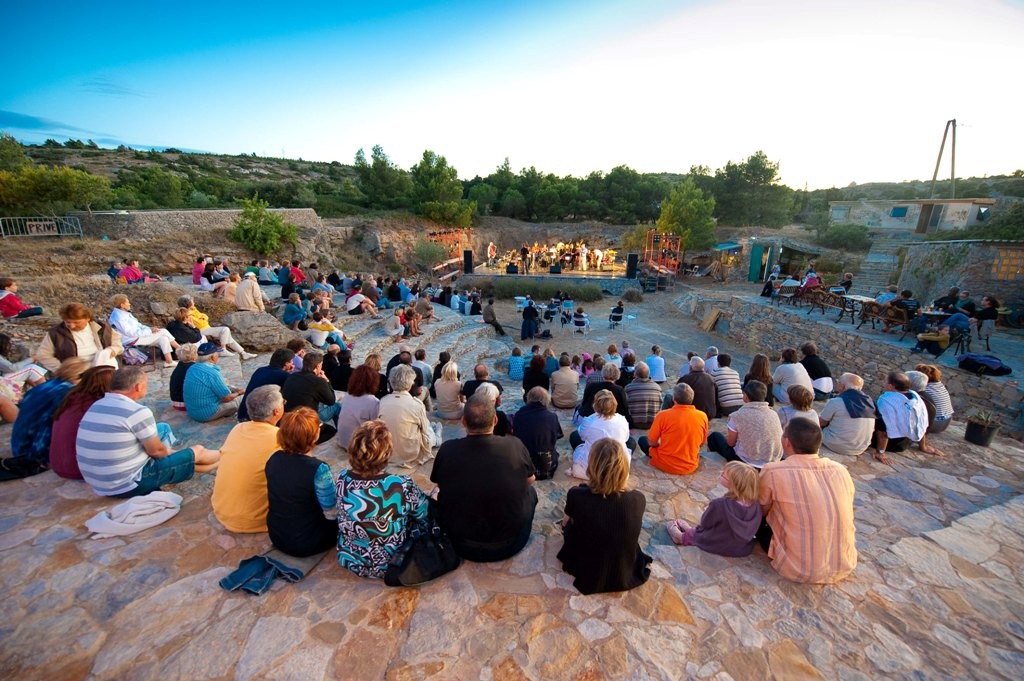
(952, 165)
(942, 147)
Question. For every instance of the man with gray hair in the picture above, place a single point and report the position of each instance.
(644, 397)
(704, 397)
(848, 420)
(711, 359)
(119, 450)
(207, 396)
(503, 425)
(677, 434)
(565, 384)
(240, 489)
(411, 432)
(538, 428)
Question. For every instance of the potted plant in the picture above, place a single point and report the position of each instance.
(982, 426)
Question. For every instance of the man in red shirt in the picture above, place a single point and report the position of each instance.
(676, 436)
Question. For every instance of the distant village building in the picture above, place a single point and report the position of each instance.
(921, 216)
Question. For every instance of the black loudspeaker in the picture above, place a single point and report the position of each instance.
(467, 261)
(555, 269)
(511, 269)
(632, 265)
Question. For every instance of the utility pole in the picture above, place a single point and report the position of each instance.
(952, 171)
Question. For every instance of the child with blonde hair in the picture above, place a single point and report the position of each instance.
(729, 523)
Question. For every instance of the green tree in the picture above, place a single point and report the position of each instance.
(384, 184)
(503, 177)
(687, 212)
(485, 195)
(548, 202)
(12, 154)
(43, 190)
(438, 192)
(513, 204)
(749, 193)
(260, 230)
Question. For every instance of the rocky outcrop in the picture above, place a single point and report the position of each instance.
(258, 331)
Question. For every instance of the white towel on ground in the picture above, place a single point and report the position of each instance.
(135, 515)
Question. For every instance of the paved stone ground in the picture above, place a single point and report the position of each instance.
(937, 593)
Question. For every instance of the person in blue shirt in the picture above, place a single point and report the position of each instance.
(207, 395)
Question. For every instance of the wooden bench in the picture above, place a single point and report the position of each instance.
(450, 275)
(786, 294)
(820, 300)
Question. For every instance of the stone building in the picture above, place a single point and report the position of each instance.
(917, 215)
(993, 268)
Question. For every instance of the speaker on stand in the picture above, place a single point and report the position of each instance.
(467, 261)
(632, 265)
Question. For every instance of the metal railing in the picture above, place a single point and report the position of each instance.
(40, 226)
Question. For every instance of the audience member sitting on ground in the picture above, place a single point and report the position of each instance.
(613, 356)
(565, 385)
(789, 372)
(627, 371)
(376, 510)
(604, 422)
(240, 489)
(94, 384)
(302, 503)
(535, 376)
(480, 375)
(799, 407)
(360, 405)
(249, 296)
(448, 392)
(275, 373)
(817, 370)
(79, 336)
(902, 418)
(11, 305)
(753, 434)
(187, 356)
(209, 282)
(295, 313)
(918, 383)
(729, 524)
(183, 329)
(761, 370)
(119, 450)
(807, 501)
(935, 342)
(516, 364)
(656, 363)
(207, 396)
(503, 426)
(394, 328)
(538, 428)
(605, 381)
(15, 375)
(677, 434)
(135, 333)
(310, 388)
(704, 395)
(266, 275)
(485, 497)
(728, 389)
(357, 303)
(32, 430)
(939, 396)
(133, 275)
(412, 433)
(848, 421)
(711, 359)
(339, 377)
(643, 397)
(602, 524)
(228, 292)
(323, 333)
(373, 361)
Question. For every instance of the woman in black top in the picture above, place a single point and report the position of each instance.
(183, 328)
(602, 525)
(300, 489)
(535, 376)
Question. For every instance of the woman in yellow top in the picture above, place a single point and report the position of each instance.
(218, 334)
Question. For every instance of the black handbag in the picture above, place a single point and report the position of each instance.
(426, 555)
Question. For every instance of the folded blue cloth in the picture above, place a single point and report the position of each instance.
(257, 573)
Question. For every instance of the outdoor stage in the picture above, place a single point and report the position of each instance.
(613, 281)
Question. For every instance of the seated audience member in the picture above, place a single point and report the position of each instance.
(248, 296)
(302, 503)
(550, 361)
(426, 311)
(209, 280)
(753, 434)
(15, 375)
(310, 388)
(95, 383)
(11, 305)
(789, 372)
(295, 313)
(564, 385)
(119, 450)
(357, 303)
(240, 488)
(677, 434)
(374, 360)
(643, 396)
(538, 428)
(534, 376)
(207, 396)
(516, 364)
(817, 370)
(266, 275)
(703, 385)
(604, 422)
(613, 356)
(602, 524)
(322, 333)
(656, 363)
(605, 381)
(228, 292)
(848, 421)
(219, 334)
(485, 498)
(412, 433)
(729, 524)
(761, 370)
(807, 501)
(904, 301)
(79, 336)
(133, 332)
(947, 303)
(448, 393)
(616, 315)
(710, 359)
(331, 362)
(728, 388)
(504, 425)
(187, 356)
(183, 329)
(33, 427)
(888, 295)
(339, 377)
(480, 375)
(918, 383)
(133, 275)
(626, 350)
(360, 405)
(939, 396)
(197, 270)
(847, 282)
(376, 510)
(276, 373)
(419, 363)
(799, 407)
(902, 418)
(964, 304)
(627, 372)
(935, 342)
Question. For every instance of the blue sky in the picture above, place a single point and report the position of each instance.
(837, 91)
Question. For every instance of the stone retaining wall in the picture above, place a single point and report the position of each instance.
(769, 329)
(983, 268)
(615, 286)
(154, 224)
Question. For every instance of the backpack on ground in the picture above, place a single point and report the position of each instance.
(134, 356)
(983, 365)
